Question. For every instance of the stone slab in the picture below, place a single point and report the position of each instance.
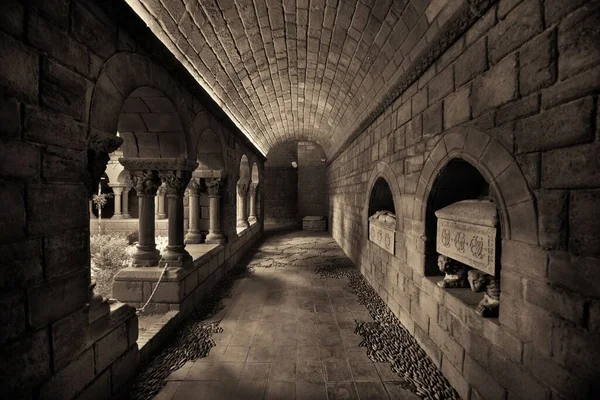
(470, 244)
(382, 236)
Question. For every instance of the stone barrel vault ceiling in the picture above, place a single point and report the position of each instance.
(297, 69)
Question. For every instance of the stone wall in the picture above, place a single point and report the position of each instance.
(65, 68)
(293, 193)
(516, 97)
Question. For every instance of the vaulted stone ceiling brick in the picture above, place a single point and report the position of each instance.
(296, 69)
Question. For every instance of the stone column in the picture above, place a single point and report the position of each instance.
(161, 202)
(176, 182)
(242, 192)
(117, 191)
(193, 234)
(146, 184)
(214, 187)
(126, 202)
(214, 196)
(253, 189)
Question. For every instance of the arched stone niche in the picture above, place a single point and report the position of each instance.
(468, 164)
(384, 195)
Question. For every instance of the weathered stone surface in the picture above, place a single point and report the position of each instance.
(94, 32)
(45, 202)
(70, 337)
(530, 165)
(56, 11)
(10, 118)
(30, 356)
(581, 85)
(562, 126)
(414, 131)
(19, 160)
(571, 167)
(518, 109)
(578, 38)
(432, 120)
(13, 318)
(19, 70)
(12, 17)
(457, 108)
(64, 165)
(110, 347)
(124, 369)
(584, 230)
(58, 298)
(419, 101)
(552, 218)
(67, 382)
(477, 376)
(495, 87)
(13, 212)
(574, 273)
(537, 63)
(566, 304)
(520, 25)
(472, 63)
(48, 128)
(99, 389)
(441, 84)
(51, 40)
(63, 91)
(66, 252)
(524, 259)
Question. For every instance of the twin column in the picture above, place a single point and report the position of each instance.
(146, 184)
(245, 189)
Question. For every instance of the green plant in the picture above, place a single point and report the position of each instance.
(109, 255)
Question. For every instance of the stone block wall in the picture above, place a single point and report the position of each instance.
(515, 96)
(281, 202)
(65, 67)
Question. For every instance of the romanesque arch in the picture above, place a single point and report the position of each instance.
(384, 171)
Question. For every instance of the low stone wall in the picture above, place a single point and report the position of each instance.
(125, 226)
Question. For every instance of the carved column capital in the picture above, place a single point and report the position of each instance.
(176, 181)
(214, 187)
(253, 188)
(193, 187)
(146, 182)
(243, 187)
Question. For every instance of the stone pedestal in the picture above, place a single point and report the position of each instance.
(176, 182)
(146, 184)
(242, 193)
(193, 234)
(252, 192)
(214, 196)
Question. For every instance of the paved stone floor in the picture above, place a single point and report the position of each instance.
(288, 334)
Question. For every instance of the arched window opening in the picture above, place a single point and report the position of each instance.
(381, 198)
(458, 182)
(242, 189)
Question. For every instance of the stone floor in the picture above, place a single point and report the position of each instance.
(288, 334)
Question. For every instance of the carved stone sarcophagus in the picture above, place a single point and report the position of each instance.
(382, 230)
(466, 232)
(466, 244)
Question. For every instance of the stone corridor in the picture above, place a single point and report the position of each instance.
(288, 334)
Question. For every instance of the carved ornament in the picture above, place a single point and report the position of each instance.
(146, 182)
(253, 188)
(176, 181)
(243, 187)
(193, 187)
(214, 187)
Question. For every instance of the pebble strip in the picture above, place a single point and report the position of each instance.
(193, 340)
(386, 339)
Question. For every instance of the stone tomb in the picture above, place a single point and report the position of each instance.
(382, 230)
(466, 239)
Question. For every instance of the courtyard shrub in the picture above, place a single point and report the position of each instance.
(109, 255)
(133, 236)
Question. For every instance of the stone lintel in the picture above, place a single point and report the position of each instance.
(158, 164)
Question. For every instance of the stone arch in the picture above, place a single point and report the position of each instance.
(244, 172)
(209, 142)
(255, 176)
(508, 186)
(121, 75)
(384, 171)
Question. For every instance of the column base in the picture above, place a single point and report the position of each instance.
(176, 256)
(252, 219)
(162, 216)
(194, 238)
(126, 216)
(120, 216)
(242, 224)
(147, 256)
(214, 238)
